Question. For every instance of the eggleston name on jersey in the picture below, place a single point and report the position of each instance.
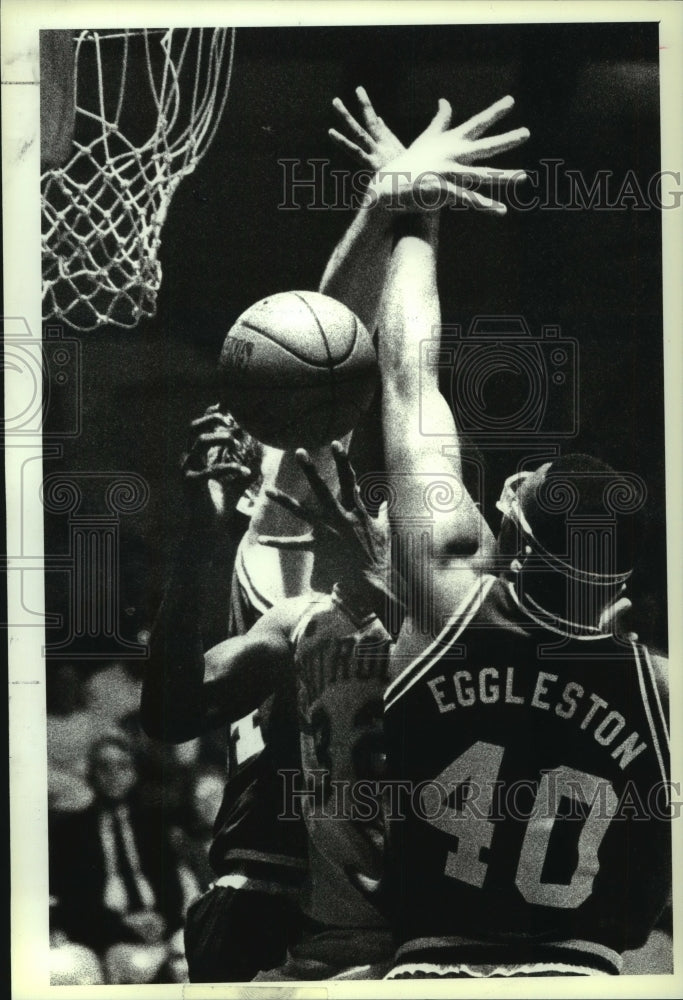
(493, 686)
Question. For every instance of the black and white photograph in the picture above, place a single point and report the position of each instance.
(342, 355)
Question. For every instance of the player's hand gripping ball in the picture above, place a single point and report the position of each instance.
(298, 369)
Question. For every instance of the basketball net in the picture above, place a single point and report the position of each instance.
(148, 103)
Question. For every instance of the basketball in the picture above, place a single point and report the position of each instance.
(297, 369)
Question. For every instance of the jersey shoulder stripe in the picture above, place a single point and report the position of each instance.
(442, 643)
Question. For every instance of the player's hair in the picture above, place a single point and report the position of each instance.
(536, 542)
(246, 450)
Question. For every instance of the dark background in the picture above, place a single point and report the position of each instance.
(588, 93)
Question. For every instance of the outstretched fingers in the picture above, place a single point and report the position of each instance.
(495, 144)
(441, 120)
(346, 476)
(350, 147)
(480, 123)
(372, 143)
(319, 487)
(372, 121)
(354, 127)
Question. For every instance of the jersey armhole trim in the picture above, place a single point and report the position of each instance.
(644, 677)
(302, 621)
(658, 701)
(258, 600)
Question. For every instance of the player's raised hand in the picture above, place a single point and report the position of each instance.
(371, 144)
(343, 534)
(213, 469)
(438, 168)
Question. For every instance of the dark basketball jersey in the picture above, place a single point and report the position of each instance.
(341, 664)
(248, 836)
(529, 819)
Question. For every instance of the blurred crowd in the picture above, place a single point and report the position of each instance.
(130, 824)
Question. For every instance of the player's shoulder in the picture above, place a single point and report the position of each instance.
(285, 614)
(418, 651)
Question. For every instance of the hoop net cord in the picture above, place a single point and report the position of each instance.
(103, 211)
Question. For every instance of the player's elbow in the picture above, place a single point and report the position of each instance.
(399, 378)
(169, 719)
(152, 726)
(165, 727)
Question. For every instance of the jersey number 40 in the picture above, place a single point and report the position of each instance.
(474, 825)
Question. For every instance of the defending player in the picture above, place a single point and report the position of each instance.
(330, 652)
(533, 837)
(249, 915)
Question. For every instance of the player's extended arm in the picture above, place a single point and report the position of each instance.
(187, 692)
(424, 468)
(172, 701)
(240, 673)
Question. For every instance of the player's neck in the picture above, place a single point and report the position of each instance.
(544, 613)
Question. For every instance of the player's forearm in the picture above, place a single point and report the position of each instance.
(410, 315)
(171, 703)
(356, 271)
(242, 672)
(410, 312)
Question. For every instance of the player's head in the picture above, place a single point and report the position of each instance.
(562, 544)
(112, 770)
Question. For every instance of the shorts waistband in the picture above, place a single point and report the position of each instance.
(456, 951)
(425, 970)
(247, 884)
